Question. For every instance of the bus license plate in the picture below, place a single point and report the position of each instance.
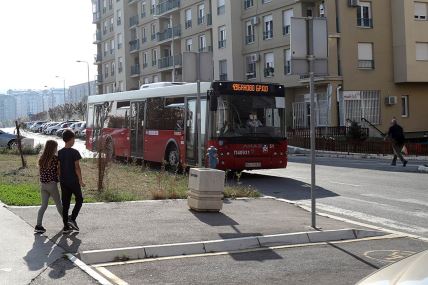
(253, 164)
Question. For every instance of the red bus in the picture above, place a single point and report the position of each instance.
(244, 121)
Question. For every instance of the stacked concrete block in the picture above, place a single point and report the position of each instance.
(206, 188)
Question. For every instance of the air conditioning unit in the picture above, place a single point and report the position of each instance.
(255, 57)
(255, 20)
(391, 100)
(353, 3)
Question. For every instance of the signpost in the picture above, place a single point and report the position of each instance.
(309, 58)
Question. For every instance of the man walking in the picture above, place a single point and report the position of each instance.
(396, 134)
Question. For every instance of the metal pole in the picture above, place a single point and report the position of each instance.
(89, 82)
(64, 92)
(311, 59)
(198, 108)
(172, 48)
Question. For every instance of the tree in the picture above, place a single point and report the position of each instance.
(80, 109)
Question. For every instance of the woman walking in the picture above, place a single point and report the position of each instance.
(48, 169)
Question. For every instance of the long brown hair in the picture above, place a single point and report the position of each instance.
(48, 153)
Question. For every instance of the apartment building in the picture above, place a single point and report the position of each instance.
(80, 92)
(378, 52)
(7, 108)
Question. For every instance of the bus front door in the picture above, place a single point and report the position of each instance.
(137, 128)
(191, 131)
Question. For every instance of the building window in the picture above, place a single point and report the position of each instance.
(112, 46)
(364, 15)
(143, 35)
(154, 57)
(201, 14)
(421, 51)
(105, 27)
(119, 41)
(113, 68)
(222, 37)
(421, 10)
(145, 60)
(119, 17)
(222, 64)
(189, 45)
(268, 27)
(153, 7)
(365, 56)
(111, 24)
(286, 20)
(269, 65)
(143, 9)
(155, 78)
(120, 65)
(105, 48)
(287, 62)
(188, 20)
(220, 7)
(266, 1)
(248, 4)
(250, 36)
(405, 106)
(120, 88)
(202, 43)
(251, 66)
(153, 30)
(105, 70)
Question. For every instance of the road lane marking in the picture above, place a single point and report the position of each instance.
(341, 183)
(129, 262)
(113, 278)
(91, 272)
(409, 201)
(390, 256)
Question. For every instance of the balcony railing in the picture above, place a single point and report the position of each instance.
(366, 64)
(168, 61)
(221, 10)
(133, 21)
(248, 4)
(287, 67)
(250, 39)
(97, 36)
(222, 44)
(96, 17)
(166, 6)
(223, 76)
(205, 49)
(99, 78)
(188, 24)
(269, 71)
(168, 34)
(201, 20)
(134, 45)
(98, 58)
(268, 35)
(135, 69)
(365, 22)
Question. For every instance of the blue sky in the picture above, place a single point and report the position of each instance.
(42, 39)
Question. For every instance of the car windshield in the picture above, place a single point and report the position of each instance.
(249, 116)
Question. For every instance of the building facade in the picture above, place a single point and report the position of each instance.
(378, 53)
(7, 108)
(80, 92)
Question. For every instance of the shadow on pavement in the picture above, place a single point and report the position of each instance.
(285, 188)
(214, 219)
(70, 243)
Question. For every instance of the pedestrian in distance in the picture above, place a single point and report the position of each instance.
(70, 181)
(396, 134)
(48, 171)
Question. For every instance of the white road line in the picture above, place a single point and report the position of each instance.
(113, 278)
(409, 201)
(341, 183)
(91, 272)
(369, 218)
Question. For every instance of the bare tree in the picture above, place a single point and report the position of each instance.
(80, 109)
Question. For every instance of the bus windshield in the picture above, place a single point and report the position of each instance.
(242, 117)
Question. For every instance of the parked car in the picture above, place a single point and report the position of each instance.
(60, 131)
(40, 129)
(77, 127)
(52, 130)
(410, 270)
(7, 140)
(36, 126)
(46, 126)
(82, 134)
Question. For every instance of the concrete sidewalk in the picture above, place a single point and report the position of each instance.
(117, 225)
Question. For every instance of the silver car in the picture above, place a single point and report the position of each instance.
(7, 140)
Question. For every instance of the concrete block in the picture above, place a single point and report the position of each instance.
(331, 235)
(423, 169)
(206, 194)
(231, 244)
(177, 249)
(112, 255)
(27, 143)
(368, 233)
(204, 204)
(206, 179)
(284, 239)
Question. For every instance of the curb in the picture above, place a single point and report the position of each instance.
(224, 245)
(423, 169)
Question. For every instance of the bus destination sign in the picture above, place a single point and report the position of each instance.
(245, 87)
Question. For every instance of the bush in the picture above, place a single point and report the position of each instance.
(26, 150)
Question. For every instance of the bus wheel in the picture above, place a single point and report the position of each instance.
(172, 157)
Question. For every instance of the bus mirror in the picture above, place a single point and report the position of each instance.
(213, 102)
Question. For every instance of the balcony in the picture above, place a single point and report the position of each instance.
(134, 45)
(250, 39)
(168, 34)
(222, 44)
(96, 17)
(205, 49)
(135, 70)
(99, 79)
(133, 21)
(167, 62)
(366, 64)
(365, 22)
(187, 24)
(98, 58)
(97, 37)
(167, 6)
(267, 35)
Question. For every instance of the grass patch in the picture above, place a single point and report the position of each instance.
(124, 182)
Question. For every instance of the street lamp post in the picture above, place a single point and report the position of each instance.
(89, 83)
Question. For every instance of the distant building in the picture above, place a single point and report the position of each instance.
(28, 102)
(7, 108)
(79, 92)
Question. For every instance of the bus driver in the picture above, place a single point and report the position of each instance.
(253, 122)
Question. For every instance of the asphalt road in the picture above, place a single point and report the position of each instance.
(343, 263)
(366, 190)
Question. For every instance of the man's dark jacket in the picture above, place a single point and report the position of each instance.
(396, 134)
